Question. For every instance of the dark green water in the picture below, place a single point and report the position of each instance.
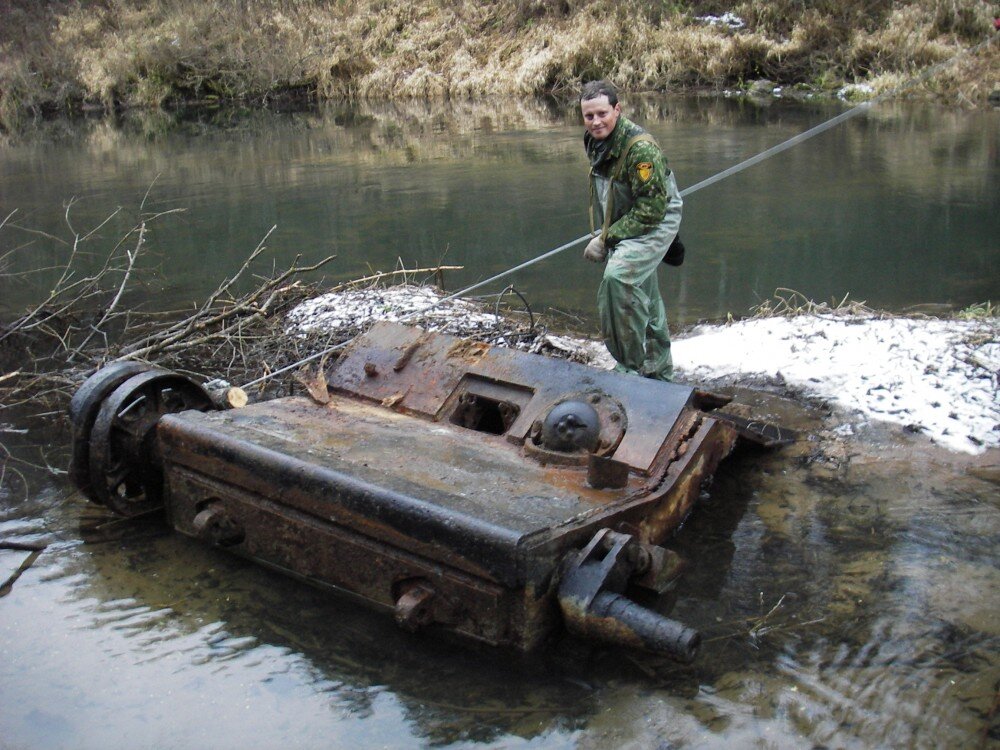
(846, 587)
(898, 207)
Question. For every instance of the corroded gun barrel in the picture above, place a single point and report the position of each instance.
(594, 607)
(619, 620)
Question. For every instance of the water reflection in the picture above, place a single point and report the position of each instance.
(153, 630)
(898, 207)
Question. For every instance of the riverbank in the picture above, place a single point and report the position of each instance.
(59, 56)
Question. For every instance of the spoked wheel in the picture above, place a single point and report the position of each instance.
(124, 468)
(83, 410)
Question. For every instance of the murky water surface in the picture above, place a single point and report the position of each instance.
(847, 587)
(847, 593)
(898, 207)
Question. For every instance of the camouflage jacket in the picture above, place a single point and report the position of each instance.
(641, 193)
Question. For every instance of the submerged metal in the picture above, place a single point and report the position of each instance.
(484, 491)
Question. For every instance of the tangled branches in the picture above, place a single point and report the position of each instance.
(90, 318)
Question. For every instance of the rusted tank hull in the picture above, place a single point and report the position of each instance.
(490, 583)
(452, 483)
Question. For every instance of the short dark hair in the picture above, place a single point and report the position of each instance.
(595, 89)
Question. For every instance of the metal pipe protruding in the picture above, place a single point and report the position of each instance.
(641, 628)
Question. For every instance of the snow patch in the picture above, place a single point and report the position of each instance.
(348, 312)
(939, 377)
(729, 20)
(353, 308)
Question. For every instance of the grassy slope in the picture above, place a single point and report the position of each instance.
(60, 54)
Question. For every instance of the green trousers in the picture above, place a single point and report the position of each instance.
(633, 317)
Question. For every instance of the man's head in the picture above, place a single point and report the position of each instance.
(600, 108)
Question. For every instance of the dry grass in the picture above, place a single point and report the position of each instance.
(56, 55)
(788, 303)
(979, 311)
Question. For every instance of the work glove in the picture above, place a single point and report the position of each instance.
(595, 250)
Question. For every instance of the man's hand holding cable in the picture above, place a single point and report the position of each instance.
(595, 251)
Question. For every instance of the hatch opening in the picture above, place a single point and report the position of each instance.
(484, 414)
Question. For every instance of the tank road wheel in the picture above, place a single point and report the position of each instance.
(83, 410)
(125, 472)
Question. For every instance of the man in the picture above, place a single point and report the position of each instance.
(640, 209)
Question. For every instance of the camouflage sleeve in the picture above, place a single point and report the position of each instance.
(646, 170)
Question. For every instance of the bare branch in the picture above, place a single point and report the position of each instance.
(108, 218)
(142, 203)
(132, 255)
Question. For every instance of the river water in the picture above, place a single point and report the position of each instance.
(898, 207)
(846, 587)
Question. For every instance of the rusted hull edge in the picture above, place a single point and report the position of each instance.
(467, 543)
(666, 510)
(332, 555)
(658, 509)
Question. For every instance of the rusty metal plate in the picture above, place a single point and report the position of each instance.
(433, 487)
(415, 372)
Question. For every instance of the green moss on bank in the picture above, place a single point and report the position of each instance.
(60, 55)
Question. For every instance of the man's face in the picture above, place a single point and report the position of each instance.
(599, 117)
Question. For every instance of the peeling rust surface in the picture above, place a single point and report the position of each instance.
(651, 406)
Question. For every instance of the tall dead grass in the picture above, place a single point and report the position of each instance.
(56, 55)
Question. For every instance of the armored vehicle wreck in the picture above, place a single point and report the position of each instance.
(484, 491)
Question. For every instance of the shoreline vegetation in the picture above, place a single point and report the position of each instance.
(66, 56)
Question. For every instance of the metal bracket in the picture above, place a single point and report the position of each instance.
(593, 605)
(214, 524)
(413, 607)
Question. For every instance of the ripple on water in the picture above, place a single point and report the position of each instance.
(897, 689)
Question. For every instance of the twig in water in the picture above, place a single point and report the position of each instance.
(6, 586)
(758, 628)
